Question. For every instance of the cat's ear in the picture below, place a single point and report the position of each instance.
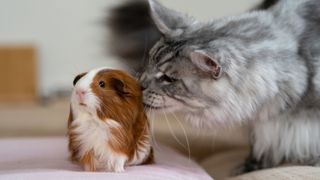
(168, 21)
(206, 63)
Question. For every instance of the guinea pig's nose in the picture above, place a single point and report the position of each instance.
(80, 92)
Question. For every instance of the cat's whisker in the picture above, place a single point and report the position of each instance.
(185, 135)
(171, 130)
(153, 131)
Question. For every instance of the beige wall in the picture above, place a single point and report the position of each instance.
(208, 9)
(68, 34)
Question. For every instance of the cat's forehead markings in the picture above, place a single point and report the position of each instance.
(164, 66)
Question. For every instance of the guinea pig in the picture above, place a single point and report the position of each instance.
(107, 127)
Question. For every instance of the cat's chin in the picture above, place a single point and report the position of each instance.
(196, 120)
(200, 120)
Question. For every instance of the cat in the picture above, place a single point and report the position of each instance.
(261, 68)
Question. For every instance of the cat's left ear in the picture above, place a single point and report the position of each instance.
(169, 22)
(206, 63)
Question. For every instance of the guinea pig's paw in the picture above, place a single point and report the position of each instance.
(118, 168)
(89, 167)
(117, 164)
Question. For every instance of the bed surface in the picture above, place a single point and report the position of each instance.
(47, 158)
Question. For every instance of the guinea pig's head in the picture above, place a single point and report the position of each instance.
(107, 93)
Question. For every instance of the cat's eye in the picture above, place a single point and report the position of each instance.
(102, 84)
(165, 78)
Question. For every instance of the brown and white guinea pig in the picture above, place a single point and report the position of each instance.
(108, 129)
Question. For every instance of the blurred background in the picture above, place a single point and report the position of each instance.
(45, 43)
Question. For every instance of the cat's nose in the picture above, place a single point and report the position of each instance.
(143, 88)
(143, 85)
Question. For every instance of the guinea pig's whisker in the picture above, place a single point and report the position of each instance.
(185, 135)
(171, 130)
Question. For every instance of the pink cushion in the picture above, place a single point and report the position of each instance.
(47, 158)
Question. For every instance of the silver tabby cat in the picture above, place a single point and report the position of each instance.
(261, 67)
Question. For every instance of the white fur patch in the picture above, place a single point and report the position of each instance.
(90, 99)
(94, 134)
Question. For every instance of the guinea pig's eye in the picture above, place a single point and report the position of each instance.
(102, 84)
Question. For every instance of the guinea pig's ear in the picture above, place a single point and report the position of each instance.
(77, 78)
(118, 86)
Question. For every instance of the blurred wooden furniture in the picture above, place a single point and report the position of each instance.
(18, 74)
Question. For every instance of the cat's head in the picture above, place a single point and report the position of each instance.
(181, 67)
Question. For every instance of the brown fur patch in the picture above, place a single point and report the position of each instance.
(125, 107)
(150, 158)
(88, 161)
(73, 145)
